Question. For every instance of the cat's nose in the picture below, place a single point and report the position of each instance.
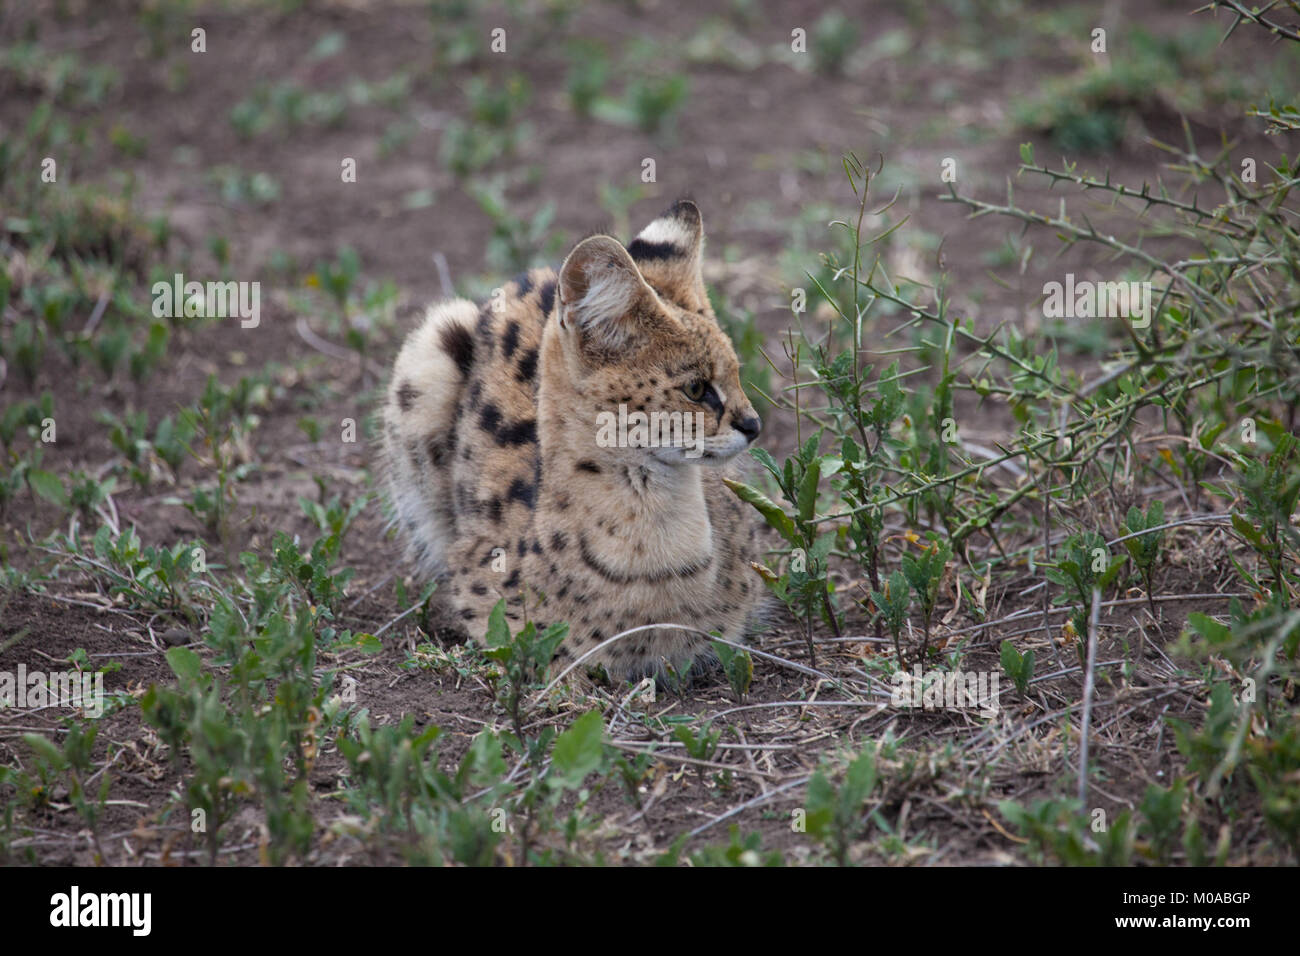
(749, 427)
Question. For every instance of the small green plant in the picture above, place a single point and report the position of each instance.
(834, 38)
(744, 851)
(516, 243)
(147, 577)
(494, 129)
(701, 743)
(1058, 829)
(523, 660)
(1269, 490)
(1086, 564)
(1145, 549)
(834, 813)
(804, 587)
(74, 759)
(221, 421)
(588, 76)
(655, 102)
(338, 278)
(1019, 667)
(892, 605)
(738, 665)
(925, 575)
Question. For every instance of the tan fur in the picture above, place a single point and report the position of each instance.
(500, 484)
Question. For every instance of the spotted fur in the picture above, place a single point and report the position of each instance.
(499, 482)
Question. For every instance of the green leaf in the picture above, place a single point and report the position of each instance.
(45, 748)
(184, 663)
(737, 664)
(768, 508)
(498, 631)
(578, 751)
(859, 781)
(48, 486)
(1019, 668)
(1208, 627)
(1247, 531)
(764, 458)
(808, 491)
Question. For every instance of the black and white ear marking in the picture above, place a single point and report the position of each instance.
(601, 289)
(676, 235)
(670, 254)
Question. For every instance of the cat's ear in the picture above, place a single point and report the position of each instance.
(602, 295)
(669, 253)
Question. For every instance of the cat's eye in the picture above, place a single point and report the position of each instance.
(696, 390)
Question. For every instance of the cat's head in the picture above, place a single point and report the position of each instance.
(643, 353)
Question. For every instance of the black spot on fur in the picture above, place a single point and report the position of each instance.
(512, 433)
(590, 466)
(559, 540)
(510, 340)
(513, 580)
(407, 395)
(522, 492)
(494, 510)
(459, 345)
(479, 588)
(547, 297)
(527, 366)
(525, 283)
(517, 433)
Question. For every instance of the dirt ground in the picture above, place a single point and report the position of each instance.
(757, 144)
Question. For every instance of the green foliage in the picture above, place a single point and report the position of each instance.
(738, 665)
(1019, 667)
(516, 243)
(1145, 549)
(1086, 111)
(892, 605)
(149, 578)
(1086, 564)
(744, 851)
(804, 586)
(1059, 830)
(835, 812)
(587, 77)
(493, 131)
(655, 101)
(833, 39)
(924, 575)
(700, 744)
